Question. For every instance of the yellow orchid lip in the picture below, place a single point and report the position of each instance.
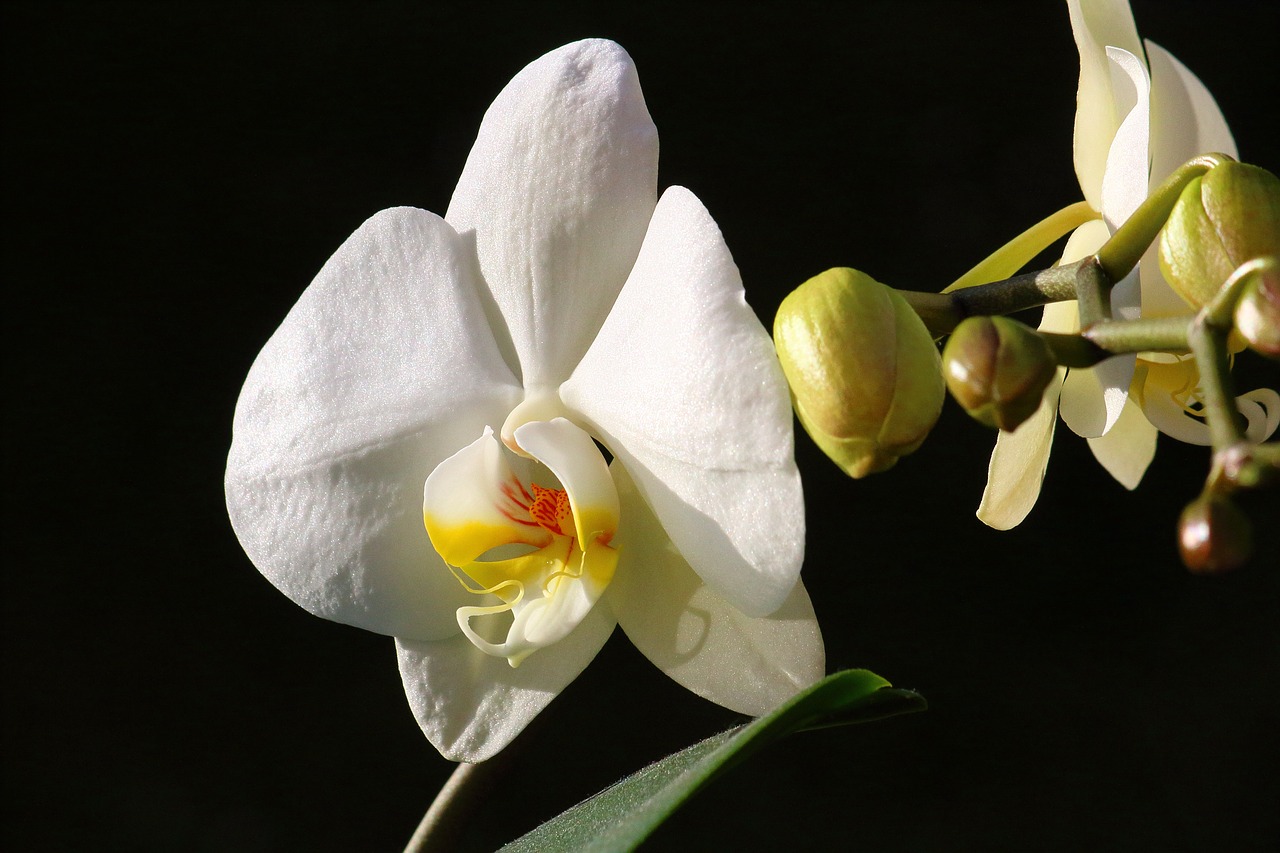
(474, 503)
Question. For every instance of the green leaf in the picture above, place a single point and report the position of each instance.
(623, 815)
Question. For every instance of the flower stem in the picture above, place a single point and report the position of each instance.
(439, 826)
(1126, 247)
(1018, 252)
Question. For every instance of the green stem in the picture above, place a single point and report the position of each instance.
(942, 312)
(1113, 337)
(1126, 247)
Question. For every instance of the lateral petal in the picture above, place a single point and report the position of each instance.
(747, 664)
(385, 366)
(1018, 464)
(1096, 25)
(470, 704)
(556, 195)
(1185, 122)
(682, 384)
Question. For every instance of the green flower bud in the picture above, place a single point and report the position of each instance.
(1228, 216)
(1257, 314)
(863, 369)
(1214, 536)
(997, 369)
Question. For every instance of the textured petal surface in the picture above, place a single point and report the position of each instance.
(1096, 25)
(556, 194)
(1185, 122)
(747, 664)
(470, 705)
(683, 386)
(384, 367)
(1128, 448)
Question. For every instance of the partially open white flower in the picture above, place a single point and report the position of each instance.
(1139, 116)
(462, 370)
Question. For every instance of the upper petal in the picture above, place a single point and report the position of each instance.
(1185, 122)
(1098, 24)
(748, 664)
(556, 194)
(683, 386)
(470, 704)
(384, 367)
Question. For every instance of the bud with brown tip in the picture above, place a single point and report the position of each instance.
(1214, 535)
(1226, 217)
(997, 369)
(1257, 313)
(862, 367)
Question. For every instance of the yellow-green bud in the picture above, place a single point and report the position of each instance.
(997, 369)
(1224, 218)
(863, 369)
(1214, 536)
(1257, 314)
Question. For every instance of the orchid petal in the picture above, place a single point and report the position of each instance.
(1261, 409)
(557, 193)
(1128, 448)
(747, 664)
(1096, 25)
(682, 385)
(384, 367)
(1124, 184)
(470, 705)
(1018, 464)
(1185, 122)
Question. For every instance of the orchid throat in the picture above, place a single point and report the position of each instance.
(474, 503)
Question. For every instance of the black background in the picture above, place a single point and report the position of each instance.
(176, 173)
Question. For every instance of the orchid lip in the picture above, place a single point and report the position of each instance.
(473, 503)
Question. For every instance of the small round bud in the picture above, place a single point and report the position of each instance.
(997, 369)
(1214, 536)
(1226, 217)
(862, 367)
(1257, 314)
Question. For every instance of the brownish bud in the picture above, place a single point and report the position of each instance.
(1257, 313)
(1214, 536)
(997, 369)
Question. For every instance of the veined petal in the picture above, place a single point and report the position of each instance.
(747, 664)
(1128, 448)
(1018, 464)
(1185, 121)
(1096, 25)
(556, 194)
(682, 385)
(470, 704)
(385, 366)
(576, 461)
(473, 502)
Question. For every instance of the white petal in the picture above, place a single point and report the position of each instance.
(1018, 463)
(1185, 122)
(1261, 408)
(683, 386)
(576, 461)
(384, 367)
(1096, 25)
(750, 665)
(470, 705)
(558, 191)
(1128, 448)
(1124, 184)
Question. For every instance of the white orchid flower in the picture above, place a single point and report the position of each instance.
(1139, 116)
(462, 370)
